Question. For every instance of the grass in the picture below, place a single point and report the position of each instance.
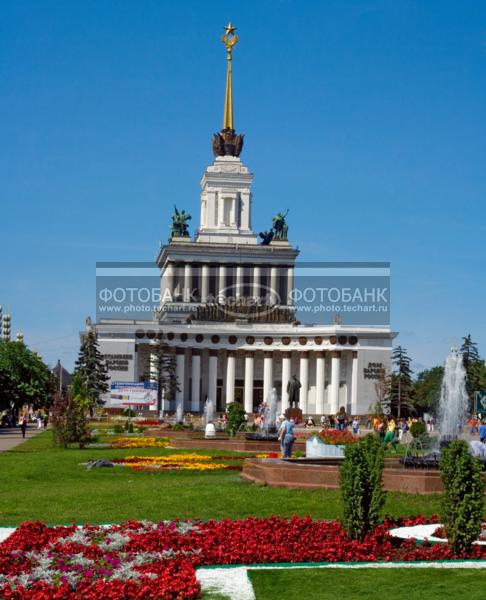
(50, 484)
(399, 584)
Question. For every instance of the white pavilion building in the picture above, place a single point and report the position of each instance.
(227, 311)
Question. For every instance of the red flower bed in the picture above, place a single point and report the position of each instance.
(148, 422)
(157, 560)
(337, 436)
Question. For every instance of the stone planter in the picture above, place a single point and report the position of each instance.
(316, 448)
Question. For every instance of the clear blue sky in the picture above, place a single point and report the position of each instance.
(365, 118)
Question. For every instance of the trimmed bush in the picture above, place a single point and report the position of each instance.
(417, 429)
(463, 501)
(361, 486)
(236, 417)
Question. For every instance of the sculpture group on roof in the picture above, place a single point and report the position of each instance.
(279, 229)
(179, 227)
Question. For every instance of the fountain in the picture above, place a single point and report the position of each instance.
(269, 430)
(179, 413)
(454, 400)
(424, 476)
(209, 430)
(453, 408)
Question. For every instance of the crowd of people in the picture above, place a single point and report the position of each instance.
(38, 418)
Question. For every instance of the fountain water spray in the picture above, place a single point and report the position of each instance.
(270, 413)
(179, 414)
(454, 400)
(208, 411)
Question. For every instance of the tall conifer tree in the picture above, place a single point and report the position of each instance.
(473, 366)
(401, 393)
(92, 368)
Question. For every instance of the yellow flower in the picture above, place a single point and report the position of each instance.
(140, 442)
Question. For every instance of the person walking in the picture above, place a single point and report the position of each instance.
(280, 420)
(39, 419)
(286, 435)
(482, 431)
(390, 434)
(23, 425)
(355, 425)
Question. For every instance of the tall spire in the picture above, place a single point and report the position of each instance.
(229, 39)
(227, 142)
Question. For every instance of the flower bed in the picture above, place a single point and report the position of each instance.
(157, 560)
(148, 422)
(338, 437)
(140, 442)
(189, 462)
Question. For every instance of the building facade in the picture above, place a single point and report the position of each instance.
(227, 311)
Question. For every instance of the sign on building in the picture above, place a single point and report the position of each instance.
(480, 401)
(127, 393)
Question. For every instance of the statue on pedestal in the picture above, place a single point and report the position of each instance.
(280, 227)
(293, 389)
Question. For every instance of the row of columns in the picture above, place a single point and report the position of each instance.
(333, 390)
(168, 287)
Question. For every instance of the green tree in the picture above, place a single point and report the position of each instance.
(24, 377)
(463, 499)
(165, 366)
(78, 407)
(361, 486)
(92, 369)
(474, 368)
(427, 388)
(59, 419)
(401, 386)
(69, 415)
(236, 417)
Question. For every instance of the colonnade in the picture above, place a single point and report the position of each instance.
(326, 394)
(179, 280)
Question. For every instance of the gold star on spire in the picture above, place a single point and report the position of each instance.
(229, 29)
(229, 39)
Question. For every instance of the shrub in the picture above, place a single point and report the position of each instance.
(361, 486)
(236, 417)
(417, 429)
(118, 428)
(462, 502)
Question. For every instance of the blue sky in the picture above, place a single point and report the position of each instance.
(365, 118)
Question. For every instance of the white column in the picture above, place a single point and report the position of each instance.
(180, 367)
(286, 360)
(221, 283)
(274, 294)
(239, 281)
(187, 282)
(204, 282)
(320, 370)
(304, 380)
(249, 370)
(168, 284)
(195, 381)
(267, 374)
(335, 376)
(230, 376)
(354, 383)
(290, 285)
(154, 365)
(256, 282)
(213, 376)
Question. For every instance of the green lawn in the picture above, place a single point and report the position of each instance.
(399, 584)
(38, 481)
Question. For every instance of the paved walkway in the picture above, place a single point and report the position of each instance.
(12, 436)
